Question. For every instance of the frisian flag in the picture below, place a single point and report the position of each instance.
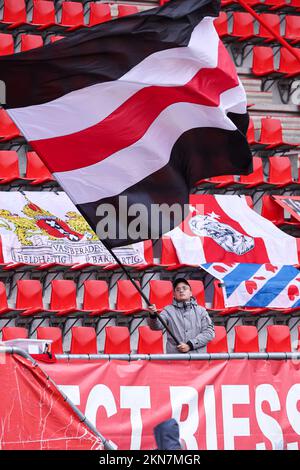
(143, 106)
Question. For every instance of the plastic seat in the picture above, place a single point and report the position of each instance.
(4, 308)
(8, 129)
(263, 62)
(54, 333)
(30, 41)
(84, 340)
(221, 25)
(272, 211)
(278, 339)
(117, 340)
(14, 13)
(99, 13)
(14, 332)
(9, 166)
(72, 15)
(256, 178)
(273, 21)
(271, 135)
(43, 14)
(55, 38)
(150, 342)
(289, 65)
(198, 291)
(29, 297)
(246, 339)
(125, 10)
(161, 294)
(96, 297)
(280, 172)
(292, 29)
(243, 27)
(219, 343)
(129, 300)
(6, 44)
(36, 171)
(63, 297)
(251, 137)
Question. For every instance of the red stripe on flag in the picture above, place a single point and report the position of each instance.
(128, 123)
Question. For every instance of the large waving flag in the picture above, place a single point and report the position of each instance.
(143, 107)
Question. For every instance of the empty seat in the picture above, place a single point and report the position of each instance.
(43, 14)
(13, 332)
(4, 308)
(221, 25)
(246, 339)
(14, 13)
(292, 29)
(161, 294)
(256, 178)
(29, 297)
(251, 137)
(6, 44)
(36, 171)
(288, 63)
(150, 342)
(273, 21)
(243, 27)
(99, 13)
(9, 166)
(72, 15)
(84, 340)
(263, 62)
(219, 343)
(280, 172)
(54, 333)
(278, 338)
(63, 297)
(198, 291)
(271, 210)
(30, 41)
(125, 10)
(8, 129)
(129, 300)
(271, 134)
(55, 38)
(96, 297)
(117, 340)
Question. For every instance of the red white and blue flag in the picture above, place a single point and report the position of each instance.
(143, 106)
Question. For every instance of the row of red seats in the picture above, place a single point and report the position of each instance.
(117, 339)
(26, 42)
(243, 28)
(263, 63)
(280, 176)
(96, 302)
(44, 15)
(271, 136)
(36, 172)
(284, 6)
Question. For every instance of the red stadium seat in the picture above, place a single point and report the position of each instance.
(43, 14)
(9, 166)
(14, 13)
(161, 293)
(117, 340)
(246, 339)
(150, 342)
(198, 291)
(13, 332)
(29, 297)
(292, 29)
(36, 171)
(221, 25)
(30, 41)
(273, 21)
(275, 4)
(56, 38)
(271, 135)
(251, 137)
(256, 178)
(278, 339)
(84, 340)
(129, 300)
(280, 172)
(271, 210)
(6, 44)
(4, 308)
(263, 62)
(125, 10)
(96, 297)
(63, 297)
(8, 129)
(54, 333)
(99, 13)
(289, 65)
(219, 343)
(243, 27)
(72, 15)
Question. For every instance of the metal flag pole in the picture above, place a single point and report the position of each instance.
(139, 289)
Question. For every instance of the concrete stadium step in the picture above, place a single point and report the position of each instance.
(259, 97)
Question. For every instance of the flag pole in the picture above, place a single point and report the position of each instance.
(139, 289)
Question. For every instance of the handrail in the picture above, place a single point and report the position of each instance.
(282, 41)
(181, 357)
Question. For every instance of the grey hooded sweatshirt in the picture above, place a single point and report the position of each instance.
(188, 322)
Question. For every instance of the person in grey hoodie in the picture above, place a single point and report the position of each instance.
(189, 322)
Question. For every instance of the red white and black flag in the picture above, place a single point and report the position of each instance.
(142, 107)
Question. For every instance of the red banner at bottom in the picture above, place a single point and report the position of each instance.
(236, 404)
